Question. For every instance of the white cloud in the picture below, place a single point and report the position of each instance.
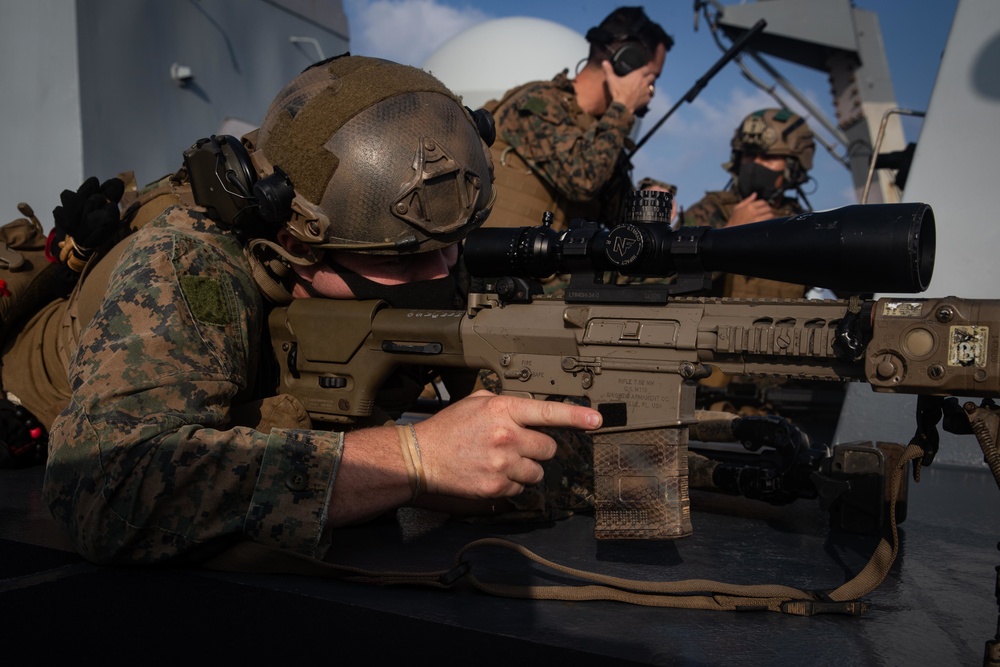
(406, 31)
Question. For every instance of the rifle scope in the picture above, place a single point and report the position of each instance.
(884, 248)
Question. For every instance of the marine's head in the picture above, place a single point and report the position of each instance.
(772, 151)
(628, 38)
(356, 158)
(355, 154)
(371, 156)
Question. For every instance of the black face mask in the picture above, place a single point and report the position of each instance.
(758, 178)
(437, 294)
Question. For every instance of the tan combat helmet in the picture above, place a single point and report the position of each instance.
(778, 132)
(372, 156)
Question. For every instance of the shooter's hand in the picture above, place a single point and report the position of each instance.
(486, 446)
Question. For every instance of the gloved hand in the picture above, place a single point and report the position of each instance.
(89, 217)
(23, 442)
(771, 431)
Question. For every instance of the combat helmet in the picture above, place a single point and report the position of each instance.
(371, 156)
(778, 132)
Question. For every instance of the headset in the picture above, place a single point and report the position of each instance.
(631, 54)
(224, 182)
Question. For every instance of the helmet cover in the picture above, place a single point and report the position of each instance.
(774, 132)
(383, 158)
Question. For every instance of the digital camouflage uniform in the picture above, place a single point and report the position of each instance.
(172, 442)
(714, 210)
(552, 155)
(38, 346)
(169, 446)
(148, 461)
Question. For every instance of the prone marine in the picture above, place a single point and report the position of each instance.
(170, 442)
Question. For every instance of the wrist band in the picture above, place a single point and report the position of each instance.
(411, 456)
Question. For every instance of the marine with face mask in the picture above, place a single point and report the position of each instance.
(360, 183)
(772, 152)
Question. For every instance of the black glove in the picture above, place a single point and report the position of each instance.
(23, 442)
(90, 215)
(772, 431)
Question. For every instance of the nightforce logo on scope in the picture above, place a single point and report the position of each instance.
(624, 245)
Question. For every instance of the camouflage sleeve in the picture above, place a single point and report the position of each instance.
(576, 161)
(144, 464)
(703, 213)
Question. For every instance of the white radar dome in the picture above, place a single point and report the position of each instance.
(488, 59)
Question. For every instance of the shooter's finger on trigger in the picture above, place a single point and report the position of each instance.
(556, 414)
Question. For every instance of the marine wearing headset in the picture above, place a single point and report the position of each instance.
(360, 182)
(560, 143)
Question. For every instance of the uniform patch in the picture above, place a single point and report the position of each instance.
(535, 105)
(206, 299)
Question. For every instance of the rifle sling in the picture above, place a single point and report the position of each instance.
(250, 556)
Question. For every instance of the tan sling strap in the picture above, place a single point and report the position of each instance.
(687, 594)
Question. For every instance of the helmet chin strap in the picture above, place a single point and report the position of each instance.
(802, 195)
(270, 266)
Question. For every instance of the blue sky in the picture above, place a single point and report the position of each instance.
(689, 149)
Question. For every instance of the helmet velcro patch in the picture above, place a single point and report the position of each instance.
(300, 129)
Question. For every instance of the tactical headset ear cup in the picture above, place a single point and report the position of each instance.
(485, 125)
(221, 176)
(793, 172)
(237, 169)
(630, 54)
(629, 57)
(224, 181)
(274, 194)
